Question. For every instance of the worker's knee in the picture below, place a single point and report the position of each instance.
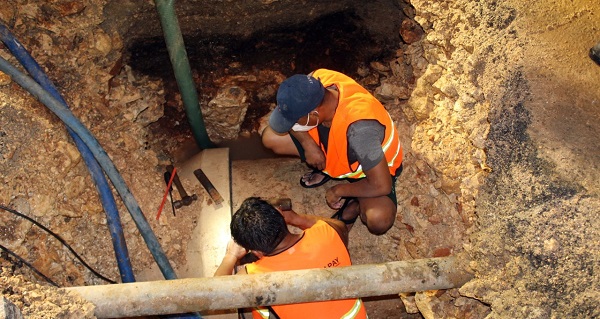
(379, 221)
(378, 227)
(270, 140)
(278, 143)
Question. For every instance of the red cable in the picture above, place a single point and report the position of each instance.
(166, 193)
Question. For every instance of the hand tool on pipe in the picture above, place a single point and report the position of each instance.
(210, 188)
(186, 199)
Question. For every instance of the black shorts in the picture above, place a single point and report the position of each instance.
(392, 194)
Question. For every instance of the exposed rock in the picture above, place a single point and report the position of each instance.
(225, 113)
(475, 117)
(136, 98)
(409, 302)
(139, 20)
(410, 31)
(448, 304)
(38, 302)
(4, 79)
(390, 92)
(8, 310)
(7, 12)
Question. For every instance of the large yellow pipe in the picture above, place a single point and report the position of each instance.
(243, 291)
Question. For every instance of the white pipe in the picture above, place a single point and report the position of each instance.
(243, 291)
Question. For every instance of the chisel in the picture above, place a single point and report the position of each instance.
(210, 188)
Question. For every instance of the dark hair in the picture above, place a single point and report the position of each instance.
(257, 225)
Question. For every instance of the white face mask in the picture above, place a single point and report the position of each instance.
(303, 128)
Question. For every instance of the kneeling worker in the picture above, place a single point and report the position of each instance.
(259, 227)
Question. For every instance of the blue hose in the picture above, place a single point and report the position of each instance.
(106, 196)
(105, 162)
(59, 108)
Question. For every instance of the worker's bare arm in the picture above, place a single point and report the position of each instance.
(304, 221)
(377, 183)
(234, 253)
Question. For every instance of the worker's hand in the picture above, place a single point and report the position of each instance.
(236, 250)
(312, 151)
(289, 216)
(334, 201)
(315, 157)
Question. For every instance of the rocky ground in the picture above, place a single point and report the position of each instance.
(497, 102)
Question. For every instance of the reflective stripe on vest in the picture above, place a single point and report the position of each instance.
(263, 312)
(354, 311)
(359, 172)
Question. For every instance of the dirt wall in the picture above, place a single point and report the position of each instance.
(500, 153)
(532, 246)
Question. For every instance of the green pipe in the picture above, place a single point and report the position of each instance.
(183, 72)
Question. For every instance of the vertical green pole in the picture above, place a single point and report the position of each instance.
(183, 73)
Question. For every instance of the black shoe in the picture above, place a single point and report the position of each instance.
(325, 179)
(340, 212)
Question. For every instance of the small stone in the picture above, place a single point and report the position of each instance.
(595, 53)
(551, 244)
(379, 67)
(435, 220)
(103, 42)
(4, 79)
(442, 252)
(409, 302)
(362, 71)
(414, 201)
(410, 31)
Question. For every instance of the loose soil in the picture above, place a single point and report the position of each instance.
(528, 222)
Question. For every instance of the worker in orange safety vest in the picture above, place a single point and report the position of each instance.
(342, 131)
(259, 227)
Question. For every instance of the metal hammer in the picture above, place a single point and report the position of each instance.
(186, 199)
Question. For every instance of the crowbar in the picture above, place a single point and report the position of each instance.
(210, 188)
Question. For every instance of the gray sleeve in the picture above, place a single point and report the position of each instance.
(364, 143)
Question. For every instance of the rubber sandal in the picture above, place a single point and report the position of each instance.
(325, 179)
(340, 212)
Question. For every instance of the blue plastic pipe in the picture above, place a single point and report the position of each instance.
(60, 109)
(105, 162)
(106, 196)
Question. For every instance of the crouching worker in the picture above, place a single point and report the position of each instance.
(342, 131)
(259, 227)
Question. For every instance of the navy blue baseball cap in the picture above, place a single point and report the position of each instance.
(297, 96)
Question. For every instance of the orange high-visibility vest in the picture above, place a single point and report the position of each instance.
(354, 103)
(320, 247)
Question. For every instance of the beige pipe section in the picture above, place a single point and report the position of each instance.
(243, 291)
